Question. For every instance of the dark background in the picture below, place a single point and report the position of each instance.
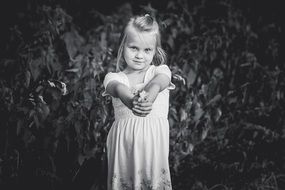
(9, 9)
(256, 11)
(270, 11)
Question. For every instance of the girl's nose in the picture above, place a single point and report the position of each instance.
(139, 55)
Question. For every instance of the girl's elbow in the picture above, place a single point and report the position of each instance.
(112, 89)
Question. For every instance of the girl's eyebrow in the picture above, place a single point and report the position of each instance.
(131, 45)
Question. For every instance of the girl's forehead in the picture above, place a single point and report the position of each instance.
(143, 38)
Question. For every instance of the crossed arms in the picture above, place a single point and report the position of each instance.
(140, 107)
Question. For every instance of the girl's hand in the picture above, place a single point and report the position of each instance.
(141, 106)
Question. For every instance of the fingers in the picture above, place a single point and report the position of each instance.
(139, 101)
(144, 107)
(141, 107)
(145, 104)
(142, 103)
(140, 112)
(140, 115)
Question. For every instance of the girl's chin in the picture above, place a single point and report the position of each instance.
(138, 67)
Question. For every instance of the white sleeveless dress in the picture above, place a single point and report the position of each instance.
(137, 147)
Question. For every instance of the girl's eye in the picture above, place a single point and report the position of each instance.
(148, 50)
(133, 48)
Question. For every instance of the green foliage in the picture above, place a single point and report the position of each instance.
(226, 113)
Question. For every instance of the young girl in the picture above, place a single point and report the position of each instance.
(138, 141)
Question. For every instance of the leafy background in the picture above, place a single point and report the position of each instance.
(226, 114)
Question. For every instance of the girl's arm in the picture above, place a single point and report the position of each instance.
(143, 105)
(156, 85)
(119, 90)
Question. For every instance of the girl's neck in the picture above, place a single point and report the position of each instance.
(131, 71)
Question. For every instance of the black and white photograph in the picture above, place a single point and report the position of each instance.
(142, 95)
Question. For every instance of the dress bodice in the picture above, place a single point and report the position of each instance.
(161, 104)
(159, 107)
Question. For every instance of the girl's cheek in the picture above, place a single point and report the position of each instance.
(131, 53)
(151, 56)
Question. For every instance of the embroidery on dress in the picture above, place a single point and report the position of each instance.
(145, 184)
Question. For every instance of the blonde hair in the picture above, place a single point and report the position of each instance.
(144, 23)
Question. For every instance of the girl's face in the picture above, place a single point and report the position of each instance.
(139, 50)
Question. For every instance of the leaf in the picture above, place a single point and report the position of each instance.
(189, 150)
(204, 133)
(45, 111)
(183, 114)
(170, 42)
(88, 100)
(19, 126)
(27, 79)
(58, 130)
(73, 42)
(36, 120)
(77, 127)
(198, 114)
(74, 70)
(81, 159)
(103, 40)
(214, 100)
(217, 115)
(35, 68)
(32, 113)
(190, 70)
(39, 88)
(180, 78)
